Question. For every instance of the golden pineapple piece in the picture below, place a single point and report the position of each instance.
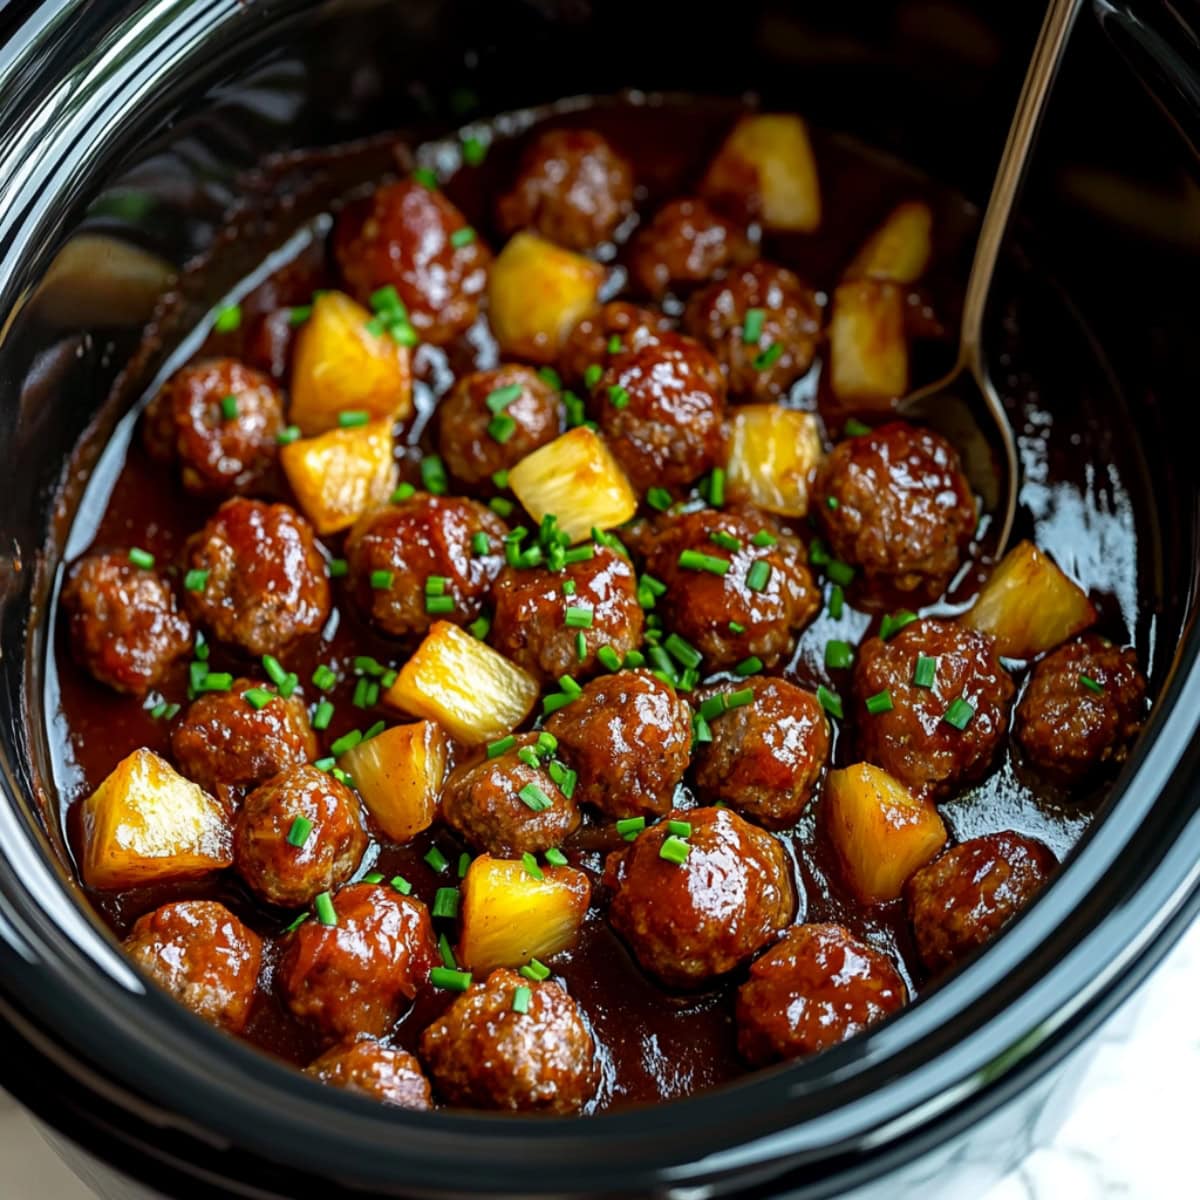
(471, 690)
(1029, 605)
(881, 831)
(509, 916)
(898, 251)
(868, 349)
(772, 453)
(146, 824)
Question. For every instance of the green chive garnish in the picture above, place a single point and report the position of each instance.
(959, 713)
(630, 827)
(752, 325)
(287, 435)
(696, 560)
(258, 697)
(445, 902)
(881, 702)
(855, 428)
(925, 671)
(768, 357)
(323, 715)
(674, 850)
(555, 857)
(229, 408)
(531, 866)
(298, 834)
(534, 798)
(840, 573)
(141, 558)
(449, 979)
(462, 237)
(830, 701)
(521, 997)
(381, 579)
(838, 654)
(228, 319)
(658, 498)
(535, 971)
(196, 580)
(1091, 684)
(433, 475)
(894, 622)
(749, 666)
(353, 418)
(436, 859)
(326, 913)
(759, 575)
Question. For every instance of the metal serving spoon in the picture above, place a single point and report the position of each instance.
(964, 405)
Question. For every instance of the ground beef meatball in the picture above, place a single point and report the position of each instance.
(222, 445)
(628, 738)
(789, 317)
(818, 986)
(591, 341)
(483, 801)
(203, 955)
(573, 188)
(405, 234)
(483, 1053)
(687, 243)
(356, 976)
(689, 922)
(914, 740)
(1069, 727)
(963, 898)
(765, 757)
(365, 1066)
(529, 622)
(125, 624)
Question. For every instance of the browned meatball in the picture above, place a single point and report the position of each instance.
(395, 551)
(405, 235)
(1082, 708)
(914, 740)
(790, 318)
(686, 243)
(573, 188)
(817, 987)
(964, 897)
(628, 737)
(222, 445)
(722, 615)
(689, 922)
(482, 1053)
(495, 804)
(125, 624)
(895, 502)
(589, 342)
(765, 757)
(203, 955)
(355, 977)
(365, 1066)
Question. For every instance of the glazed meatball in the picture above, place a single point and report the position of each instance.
(589, 342)
(628, 738)
(914, 740)
(222, 445)
(895, 502)
(482, 1053)
(722, 615)
(331, 836)
(529, 621)
(265, 582)
(689, 922)
(203, 955)
(356, 976)
(765, 757)
(404, 235)
(817, 987)
(125, 624)
(687, 243)
(573, 188)
(483, 801)
(394, 552)
(389, 1076)
(790, 318)
(964, 897)
(1069, 727)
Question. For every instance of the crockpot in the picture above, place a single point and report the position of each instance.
(126, 133)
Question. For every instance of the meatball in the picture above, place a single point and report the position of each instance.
(660, 403)
(573, 188)
(1069, 727)
(962, 899)
(355, 976)
(725, 618)
(895, 502)
(413, 238)
(124, 621)
(265, 582)
(498, 804)
(589, 342)
(687, 243)
(788, 316)
(219, 420)
(394, 552)
(700, 918)
(765, 757)
(932, 739)
(817, 987)
(203, 955)
(483, 1053)
(529, 622)
(628, 738)
(389, 1076)
(493, 419)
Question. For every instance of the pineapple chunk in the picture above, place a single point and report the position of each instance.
(881, 831)
(146, 823)
(1028, 605)
(537, 293)
(898, 251)
(576, 479)
(399, 775)
(340, 365)
(509, 917)
(338, 475)
(772, 454)
(867, 346)
(769, 156)
(475, 693)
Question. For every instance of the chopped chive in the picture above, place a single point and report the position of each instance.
(500, 506)
(959, 713)
(521, 998)
(449, 979)
(325, 764)
(569, 686)
(701, 731)
(157, 711)
(658, 498)
(228, 319)
(674, 850)
(696, 560)
(464, 864)
(374, 730)
(762, 539)
(555, 857)
(500, 398)
(683, 652)
(480, 627)
(574, 409)
(925, 671)
(258, 697)
(375, 326)
(389, 677)
(528, 755)
(229, 408)
(635, 659)
(298, 834)
(740, 698)
(1091, 684)
(752, 325)
(373, 877)
(591, 376)
(425, 177)
(894, 622)
(297, 923)
(552, 703)
(838, 654)
(535, 971)
(473, 151)
(551, 376)
(346, 742)
(759, 575)
(749, 666)
(881, 702)
(581, 648)
(433, 475)
(287, 435)
(725, 540)
(502, 746)
(837, 601)
(196, 580)
(436, 859)
(500, 429)
(608, 658)
(737, 628)
(534, 798)
(480, 543)
(656, 587)
(462, 237)
(366, 693)
(323, 678)
(618, 397)
(323, 715)
(387, 300)
(141, 558)
(500, 478)
(341, 776)
(445, 902)
(568, 587)
(716, 487)
(831, 502)
(564, 777)
(274, 669)
(855, 428)
(381, 579)
(578, 617)
(404, 491)
(439, 604)
(326, 913)
(630, 827)
(531, 866)
(401, 885)
(364, 664)
(216, 681)
(353, 418)
(201, 647)
(818, 553)
(680, 828)
(447, 953)
(714, 706)
(615, 345)
(547, 743)
(768, 357)
(840, 573)
(831, 702)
